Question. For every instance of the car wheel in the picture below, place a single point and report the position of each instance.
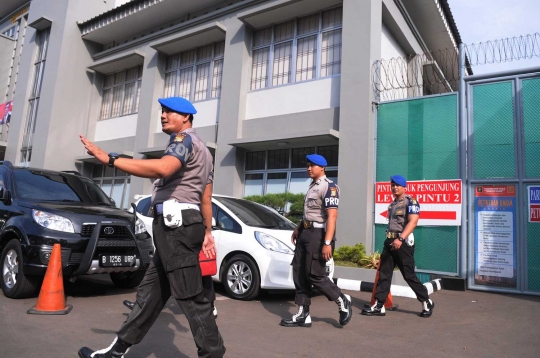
(15, 284)
(127, 279)
(241, 278)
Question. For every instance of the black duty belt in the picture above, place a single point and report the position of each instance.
(313, 224)
(157, 209)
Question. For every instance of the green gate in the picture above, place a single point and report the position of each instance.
(504, 151)
(419, 139)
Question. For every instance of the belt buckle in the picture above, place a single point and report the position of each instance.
(307, 224)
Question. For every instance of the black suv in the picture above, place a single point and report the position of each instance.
(39, 208)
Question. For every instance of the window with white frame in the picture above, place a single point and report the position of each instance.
(297, 50)
(121, 93)
(284, 170)
(114, 182)
(195, 74)
(42, 44)
(12, 31)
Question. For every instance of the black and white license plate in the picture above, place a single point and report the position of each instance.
(117, 260)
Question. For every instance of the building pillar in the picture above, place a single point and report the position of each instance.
(229, 163)
(149, 114)
(362, 25)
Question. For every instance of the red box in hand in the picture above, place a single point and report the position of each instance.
(208, 265)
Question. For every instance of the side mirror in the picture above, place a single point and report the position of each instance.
(213, 222)
(112, 201)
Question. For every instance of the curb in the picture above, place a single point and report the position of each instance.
(395, 290)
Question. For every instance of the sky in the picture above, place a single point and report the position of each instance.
(483, 20)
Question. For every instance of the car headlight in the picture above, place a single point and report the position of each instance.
(139, 227)
(271, 243)
(52, 221)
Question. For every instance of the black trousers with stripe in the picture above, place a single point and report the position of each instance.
(404, 259)
(181, 279)
(309, 267)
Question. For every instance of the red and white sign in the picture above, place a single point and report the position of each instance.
(440, 201)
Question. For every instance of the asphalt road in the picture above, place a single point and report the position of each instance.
(464, 324)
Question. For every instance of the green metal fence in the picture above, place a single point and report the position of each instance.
(494, 147)
(505, 127)
(530, 90)
(418, 138)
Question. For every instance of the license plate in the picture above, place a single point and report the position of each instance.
(117, 260)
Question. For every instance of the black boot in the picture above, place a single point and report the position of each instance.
(376, 310)
(129, 304)
(116, 350)
(428, 307)
(345, 308)
(301, 319)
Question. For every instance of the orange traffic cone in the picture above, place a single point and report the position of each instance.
(389, 304)
(51, 298)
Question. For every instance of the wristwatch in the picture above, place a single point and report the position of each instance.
(328, 242)
(401, 239)
(112, 157)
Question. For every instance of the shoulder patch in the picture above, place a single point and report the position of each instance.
(412, 200)
(333, 191)
(180, 137)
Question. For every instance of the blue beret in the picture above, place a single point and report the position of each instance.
(317, 160)
(399, 180)
(178, 104)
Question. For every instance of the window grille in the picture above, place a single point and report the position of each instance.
(42, 44)
(121, 93)
(114, 182)
(271, 171)
(308, 47)
(195, 74)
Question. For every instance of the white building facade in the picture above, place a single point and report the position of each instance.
(272, 81)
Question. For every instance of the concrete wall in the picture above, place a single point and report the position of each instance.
(319, 120)
(232, 112)
(64, 101)
(7, 45)
(394, 58)
(361, 47)
(296, 98)
(119, 127)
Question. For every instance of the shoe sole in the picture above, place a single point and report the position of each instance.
(307, 325)
(372, 314)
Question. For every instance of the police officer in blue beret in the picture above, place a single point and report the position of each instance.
(182, 210)
(314, 240)
(403, 215)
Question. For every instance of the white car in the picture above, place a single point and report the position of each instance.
(254, 249)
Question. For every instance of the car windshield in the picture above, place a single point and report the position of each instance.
(253, 214)
(39, 185)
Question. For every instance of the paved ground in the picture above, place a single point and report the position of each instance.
(465, 324)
